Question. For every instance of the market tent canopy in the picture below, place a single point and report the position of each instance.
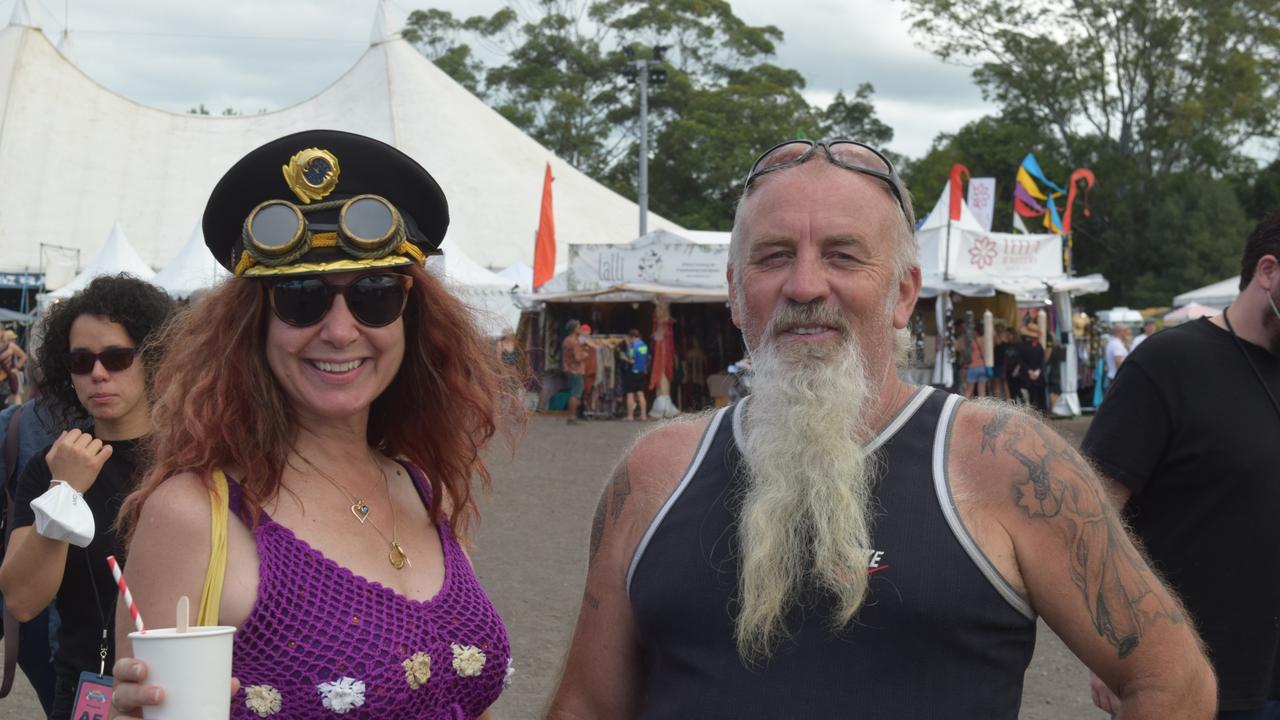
(194, 269)
(485, 292)
(961, 257)
(519, 275)
(1190, 311)
(1218, 295)
(632, 292)
(116, 256)
(74, 156)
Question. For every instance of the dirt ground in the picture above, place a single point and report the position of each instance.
(530, 551)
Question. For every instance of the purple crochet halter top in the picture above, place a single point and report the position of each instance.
(323, 642)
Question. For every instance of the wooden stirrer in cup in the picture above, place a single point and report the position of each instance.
(184, 611)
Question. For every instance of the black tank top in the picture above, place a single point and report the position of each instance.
(941, 635)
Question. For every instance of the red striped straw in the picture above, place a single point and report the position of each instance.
(124, 590)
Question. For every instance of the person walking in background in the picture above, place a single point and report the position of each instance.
(1148, 329)
(1029, 367)
(573, 360)
(1187, 440)
(976, 367)
(96, 361)
(636, 375)
(12, 361)
(1117, 349)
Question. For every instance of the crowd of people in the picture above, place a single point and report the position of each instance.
(301, 447)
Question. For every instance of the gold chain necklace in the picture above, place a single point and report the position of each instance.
(395, 553)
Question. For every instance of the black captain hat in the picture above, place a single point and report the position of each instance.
(323, 201)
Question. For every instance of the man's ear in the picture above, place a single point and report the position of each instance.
(733, 297)
(908, 293)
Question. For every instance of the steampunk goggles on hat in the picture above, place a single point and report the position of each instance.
(277, 232)
(324, 201)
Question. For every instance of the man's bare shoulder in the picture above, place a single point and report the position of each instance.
(660, 457)
(994, 443)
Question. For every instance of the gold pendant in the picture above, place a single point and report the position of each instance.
(361, 510)
(396, 556)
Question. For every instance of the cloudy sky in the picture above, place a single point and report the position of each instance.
(252, 55)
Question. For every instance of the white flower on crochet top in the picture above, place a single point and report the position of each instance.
(468, 660)
(262, 699)
(511, 670)
(342, 695)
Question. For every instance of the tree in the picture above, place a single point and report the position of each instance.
(562, 83)
(1178, 84)
(1158, 98)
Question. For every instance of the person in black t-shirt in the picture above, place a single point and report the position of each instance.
(1190, 439)
(94, 363)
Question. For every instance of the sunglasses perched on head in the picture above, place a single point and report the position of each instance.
(81, 362)
(374, 300)
(848, 154)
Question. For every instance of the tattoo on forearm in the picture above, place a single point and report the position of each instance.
(1059, 487)
(591, 600)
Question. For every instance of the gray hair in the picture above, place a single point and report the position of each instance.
(905, 254)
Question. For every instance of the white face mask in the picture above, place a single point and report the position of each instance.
(62, 514)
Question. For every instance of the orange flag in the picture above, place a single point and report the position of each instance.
(544, 248)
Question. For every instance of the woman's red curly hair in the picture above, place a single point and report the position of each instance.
(218, 405)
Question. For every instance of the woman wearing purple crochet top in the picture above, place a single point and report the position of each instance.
(345, 396)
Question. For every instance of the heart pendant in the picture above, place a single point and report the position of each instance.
(361, 510)
(396, 556)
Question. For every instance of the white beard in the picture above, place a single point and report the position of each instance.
(805, 520)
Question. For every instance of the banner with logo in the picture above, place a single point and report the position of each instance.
(659, 258)
(978, 257)
(982, 200)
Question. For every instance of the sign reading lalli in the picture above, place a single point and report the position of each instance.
(658, 258)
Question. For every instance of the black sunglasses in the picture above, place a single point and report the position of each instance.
(848, 154)
(81, 362)
(375, 299)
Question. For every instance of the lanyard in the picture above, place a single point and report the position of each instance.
(1254, 368)
(97, 602)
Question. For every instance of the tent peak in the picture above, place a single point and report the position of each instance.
(22, 16)
(384, 30)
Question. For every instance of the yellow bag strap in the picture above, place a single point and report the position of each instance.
(211, 595)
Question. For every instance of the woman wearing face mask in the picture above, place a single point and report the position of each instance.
(95, 362)
(340, 396)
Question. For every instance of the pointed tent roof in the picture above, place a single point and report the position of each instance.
(520, 275)
(192, 270)
(485, 292)
(75, 156)
(116, 256)
(22, 15)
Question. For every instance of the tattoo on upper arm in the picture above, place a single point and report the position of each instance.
(1059, 487)
(612, 501)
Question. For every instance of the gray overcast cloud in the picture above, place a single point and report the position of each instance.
(251, 55)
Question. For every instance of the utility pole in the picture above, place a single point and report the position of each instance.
(644, 73)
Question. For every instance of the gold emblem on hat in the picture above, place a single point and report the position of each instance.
(312, 174)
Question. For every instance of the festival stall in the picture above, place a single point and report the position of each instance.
(670, 287)
(967, 270)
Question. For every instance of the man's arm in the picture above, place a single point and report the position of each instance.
(601, 677)
(1078, 565)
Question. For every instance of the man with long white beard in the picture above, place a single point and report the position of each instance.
(843, 544)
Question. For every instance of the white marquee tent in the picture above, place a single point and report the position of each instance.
(192, 270)
(76, 157)
(486, 292)
(116, 256)
(1218, 295)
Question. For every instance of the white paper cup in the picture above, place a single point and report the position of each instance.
(193, 668)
